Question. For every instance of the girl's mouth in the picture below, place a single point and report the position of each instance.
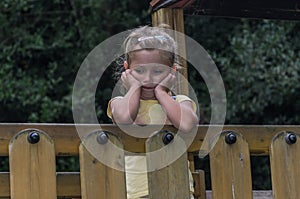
(147, 88)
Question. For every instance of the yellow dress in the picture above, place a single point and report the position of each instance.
(150, 112)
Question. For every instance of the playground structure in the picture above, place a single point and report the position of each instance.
(33, 148)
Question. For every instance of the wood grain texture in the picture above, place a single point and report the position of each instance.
(67, 138)
(102, 168)
(67, 184)
(230, 169)
(199, 184)
(182, 83)
(174, 19)
(32, 167)
(163, 16)
(168, 168)
(285, 164)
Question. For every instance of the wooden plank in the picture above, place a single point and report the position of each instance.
(230, 169)
(199, 184)
(267, 9)
(257, 136)
(64, 136)
(102, 168)
(4, 184)
(32, 167)
(175, 20)
(154, 18)
(163, 16)
(285, 163)
(67, 139)
(178, 20)
(168, 168)
(68, 184)
(257, 194)
(72, 180)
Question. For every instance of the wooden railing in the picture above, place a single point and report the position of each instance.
(33, 175)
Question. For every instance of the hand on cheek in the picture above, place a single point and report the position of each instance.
(166, 84)
(128, 80)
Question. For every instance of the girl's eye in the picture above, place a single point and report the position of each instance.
(158, 71)
(139, 71)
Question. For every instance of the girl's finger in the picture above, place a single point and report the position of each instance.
(128, 71)
(123, 76)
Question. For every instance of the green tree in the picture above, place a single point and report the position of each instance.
(42, 46)
(259, 62)
(261, 71)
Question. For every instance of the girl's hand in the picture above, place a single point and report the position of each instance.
(166, 84)
(129, 81)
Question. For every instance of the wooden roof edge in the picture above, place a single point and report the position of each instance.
(255, 9)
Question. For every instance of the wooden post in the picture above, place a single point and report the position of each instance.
(168, 170)
(99, 180)
(230, 168)
(32, 166)
(178, 20)
(285, 163)
(174, 19)
(199, 182)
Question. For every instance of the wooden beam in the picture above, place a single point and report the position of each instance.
(67, 139)
(265, 194)
(163, 16)
(178, 19)
(267, 9)
(68, 184)
(174, 19)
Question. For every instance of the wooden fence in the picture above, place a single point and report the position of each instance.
(33, 148)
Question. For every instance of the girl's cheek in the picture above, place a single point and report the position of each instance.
(160, 78)
(137, 76)
(134, 74)
(164, 75)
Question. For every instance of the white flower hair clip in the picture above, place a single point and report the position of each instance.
(160, 37)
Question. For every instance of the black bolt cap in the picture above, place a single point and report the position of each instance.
(33, 137)
(167, 138)
(291, 138)
(230, 138)
(102, 137)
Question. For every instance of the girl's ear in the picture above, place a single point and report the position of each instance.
(125, 65)
(174, 68)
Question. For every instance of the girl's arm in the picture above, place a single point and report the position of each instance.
(181, 115)
(124, 110)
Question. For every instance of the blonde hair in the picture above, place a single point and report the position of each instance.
(147, 37)
(150, 38)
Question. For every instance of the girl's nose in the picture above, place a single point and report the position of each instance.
(147, 77)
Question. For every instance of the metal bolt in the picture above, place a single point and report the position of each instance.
(291, 138)
(230, 138)
(102, 137)
(167, 138)
(33, 137)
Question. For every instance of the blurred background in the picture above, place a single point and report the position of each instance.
(43, 44)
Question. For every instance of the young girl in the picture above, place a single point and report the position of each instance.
(148, 77)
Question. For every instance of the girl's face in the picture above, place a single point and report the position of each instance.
(149, 67)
